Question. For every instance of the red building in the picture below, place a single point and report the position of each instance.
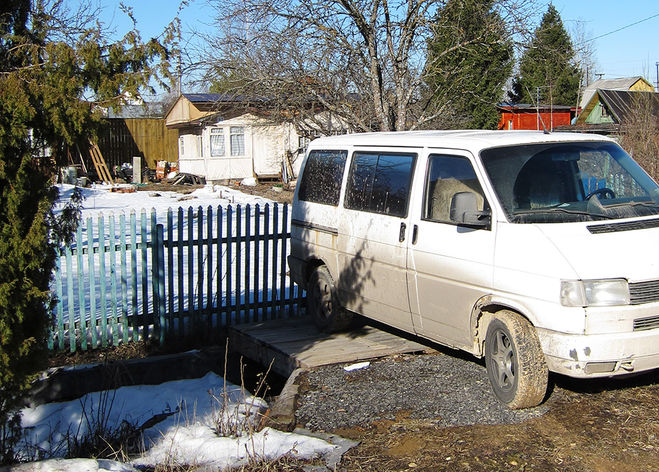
(524, 116)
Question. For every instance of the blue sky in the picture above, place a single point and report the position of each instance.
(631, 51)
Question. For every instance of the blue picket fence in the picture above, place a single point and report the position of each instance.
(190, 272)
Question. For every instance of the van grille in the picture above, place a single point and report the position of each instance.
(627, 226)
(642, 324)
(644, 292)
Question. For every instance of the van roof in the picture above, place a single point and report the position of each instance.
(462, 139)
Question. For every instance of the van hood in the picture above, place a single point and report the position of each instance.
(632, 254)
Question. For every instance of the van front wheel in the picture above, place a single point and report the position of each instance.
(515, 362)
(323, 303)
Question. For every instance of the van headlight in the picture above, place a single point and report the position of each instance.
(606, 292)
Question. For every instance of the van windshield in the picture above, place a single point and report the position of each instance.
(564, 182)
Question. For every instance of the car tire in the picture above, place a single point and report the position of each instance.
(323, 303)
(515, 362)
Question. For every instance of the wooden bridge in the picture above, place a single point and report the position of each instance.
(296, 343)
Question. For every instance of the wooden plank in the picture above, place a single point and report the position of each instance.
(92, 282)
(59, 310)
(145, 274)
(170, 272)
(99, 163)
(266, 234)
(69, 295)
(200, 270)
(190, 243)
(133, 271)
(275, 241)
(81, 290)
(239, 299)
(124, 279)
(113, 282)
(283, 267)
(230, 318)
(103, 279)
(297, 343)
(221, 317)
(248, 273)
(179, 276)
(257, 246)
(209, 271)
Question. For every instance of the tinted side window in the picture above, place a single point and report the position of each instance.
(380, 183)
(322, 177)
(448, 175)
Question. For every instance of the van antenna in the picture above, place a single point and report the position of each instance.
(537, 108)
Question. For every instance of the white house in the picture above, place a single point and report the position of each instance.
(220, 140)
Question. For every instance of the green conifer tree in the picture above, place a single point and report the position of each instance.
(48, 62)
(470, 58)
(548, 67)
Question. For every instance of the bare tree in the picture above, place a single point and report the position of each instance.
(639, 132)
(584, 55)
(362, 62)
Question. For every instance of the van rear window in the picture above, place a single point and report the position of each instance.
(322, 177)
(380, 183)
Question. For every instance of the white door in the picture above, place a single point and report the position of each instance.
(450, 265)
(373, 235)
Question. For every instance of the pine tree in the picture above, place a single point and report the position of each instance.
(548, 67)
(469, 60)
(48, 62)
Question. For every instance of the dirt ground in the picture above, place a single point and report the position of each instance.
(590, 426)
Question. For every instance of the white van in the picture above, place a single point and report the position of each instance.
(534, 250)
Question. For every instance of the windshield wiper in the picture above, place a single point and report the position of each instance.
(563, 210)
(633, 203)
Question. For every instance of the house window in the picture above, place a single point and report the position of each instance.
(237, 140)
(217, 142)
(181, 147)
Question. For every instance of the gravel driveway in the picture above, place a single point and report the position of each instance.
(448, 389)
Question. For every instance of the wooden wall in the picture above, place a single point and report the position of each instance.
(148, 138)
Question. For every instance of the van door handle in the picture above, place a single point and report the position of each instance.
(401, 235)
(415, 233)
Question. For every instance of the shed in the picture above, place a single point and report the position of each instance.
(525, 116)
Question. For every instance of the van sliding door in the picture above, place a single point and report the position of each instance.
(372, 237)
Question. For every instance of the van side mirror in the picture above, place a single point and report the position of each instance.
(464, 211)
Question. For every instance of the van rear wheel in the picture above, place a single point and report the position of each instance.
(323, 303)
(515, 362)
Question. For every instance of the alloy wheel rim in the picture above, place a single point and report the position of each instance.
(503, 357)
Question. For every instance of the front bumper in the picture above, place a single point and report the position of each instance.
(600, 355)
